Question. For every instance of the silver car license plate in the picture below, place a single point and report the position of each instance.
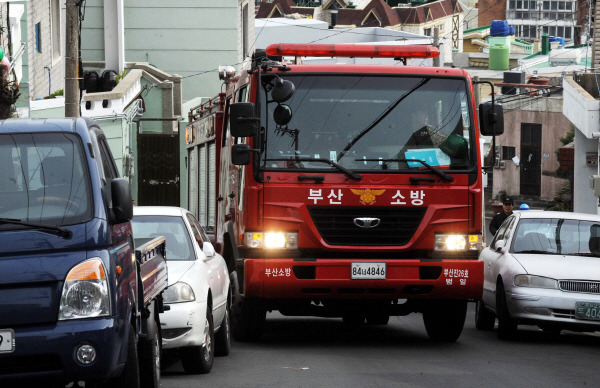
(7, 341)
(368, 270)
(587, 310)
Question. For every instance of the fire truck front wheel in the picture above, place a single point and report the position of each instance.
(444, 319)
(249, 319)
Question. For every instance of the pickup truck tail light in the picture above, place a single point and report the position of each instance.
(85, 292)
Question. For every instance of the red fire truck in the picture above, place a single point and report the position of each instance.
(344, 190)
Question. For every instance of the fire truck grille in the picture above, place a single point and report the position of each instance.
(366, 226)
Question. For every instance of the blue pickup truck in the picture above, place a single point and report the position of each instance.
(78, 302)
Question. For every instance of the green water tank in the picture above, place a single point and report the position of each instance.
(499, 57)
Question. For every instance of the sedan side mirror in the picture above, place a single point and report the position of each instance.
(499, 246)
(209, 250)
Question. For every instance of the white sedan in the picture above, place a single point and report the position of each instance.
(199, 302)
(542, 268)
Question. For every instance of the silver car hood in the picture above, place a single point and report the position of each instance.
(560, 266)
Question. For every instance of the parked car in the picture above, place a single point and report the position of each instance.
(198, 297)
(542, 268)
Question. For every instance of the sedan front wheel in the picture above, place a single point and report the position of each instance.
(507, 326)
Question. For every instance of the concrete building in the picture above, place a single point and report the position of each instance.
(422, 19)
(190, 38)
(532, 18)
(582, 108)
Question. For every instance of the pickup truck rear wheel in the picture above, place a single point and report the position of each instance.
(444, 319)
(149, 354)
(249, 320)
(199, 359)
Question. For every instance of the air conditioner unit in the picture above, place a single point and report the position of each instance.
(497, 162)
(502, 164)
(595, 184)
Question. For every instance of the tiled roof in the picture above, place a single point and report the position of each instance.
(427, 12)
(375, 14)
(283, 6)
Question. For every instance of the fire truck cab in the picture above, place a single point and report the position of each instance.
(350, 191)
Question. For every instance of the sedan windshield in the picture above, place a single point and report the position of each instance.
(557, 236)
(368, 123)
(179, 244)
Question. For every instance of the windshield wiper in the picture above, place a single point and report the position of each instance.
(59, 231)
(442, 175)
(351, 174)
(382, 116)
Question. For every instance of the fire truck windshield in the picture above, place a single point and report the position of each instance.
(369, 123)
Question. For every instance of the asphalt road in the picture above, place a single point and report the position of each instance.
(316, 352)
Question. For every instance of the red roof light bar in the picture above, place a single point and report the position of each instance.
(352, 50)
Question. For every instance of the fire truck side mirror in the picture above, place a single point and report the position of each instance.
(283, 90)
(242, 122)
(491, 119)
(240, 154)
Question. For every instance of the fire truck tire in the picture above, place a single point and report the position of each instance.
(444, 319)
(378, 319)
(484, 318)
(353, 319)
(249, 320)
(507, 326)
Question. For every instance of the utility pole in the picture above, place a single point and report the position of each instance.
(595, 48)
(72, 59)
(436, 43)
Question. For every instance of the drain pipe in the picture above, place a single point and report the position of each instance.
(49, 80)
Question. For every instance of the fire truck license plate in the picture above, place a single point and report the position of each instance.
(368, 270)
(7, 340)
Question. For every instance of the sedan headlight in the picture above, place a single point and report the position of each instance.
(535, 281)
(178, 293)
(85, 292)
(457, 242)
(271, 240)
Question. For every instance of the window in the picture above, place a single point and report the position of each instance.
(195, 229)
(44, 178)
(173, 229)
(427, 31)
(38, 38)
(55, 28)
(508, 152)
(110, 172)
(245, 31)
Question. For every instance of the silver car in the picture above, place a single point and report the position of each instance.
(542, 268)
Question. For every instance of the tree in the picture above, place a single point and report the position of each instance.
(9, 93)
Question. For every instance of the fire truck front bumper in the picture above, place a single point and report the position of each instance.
(362, 278)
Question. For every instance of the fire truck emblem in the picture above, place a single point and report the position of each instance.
(367, 222)
(367, 196)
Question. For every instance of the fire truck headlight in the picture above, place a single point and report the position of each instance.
(271, 240)
(457, 242)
